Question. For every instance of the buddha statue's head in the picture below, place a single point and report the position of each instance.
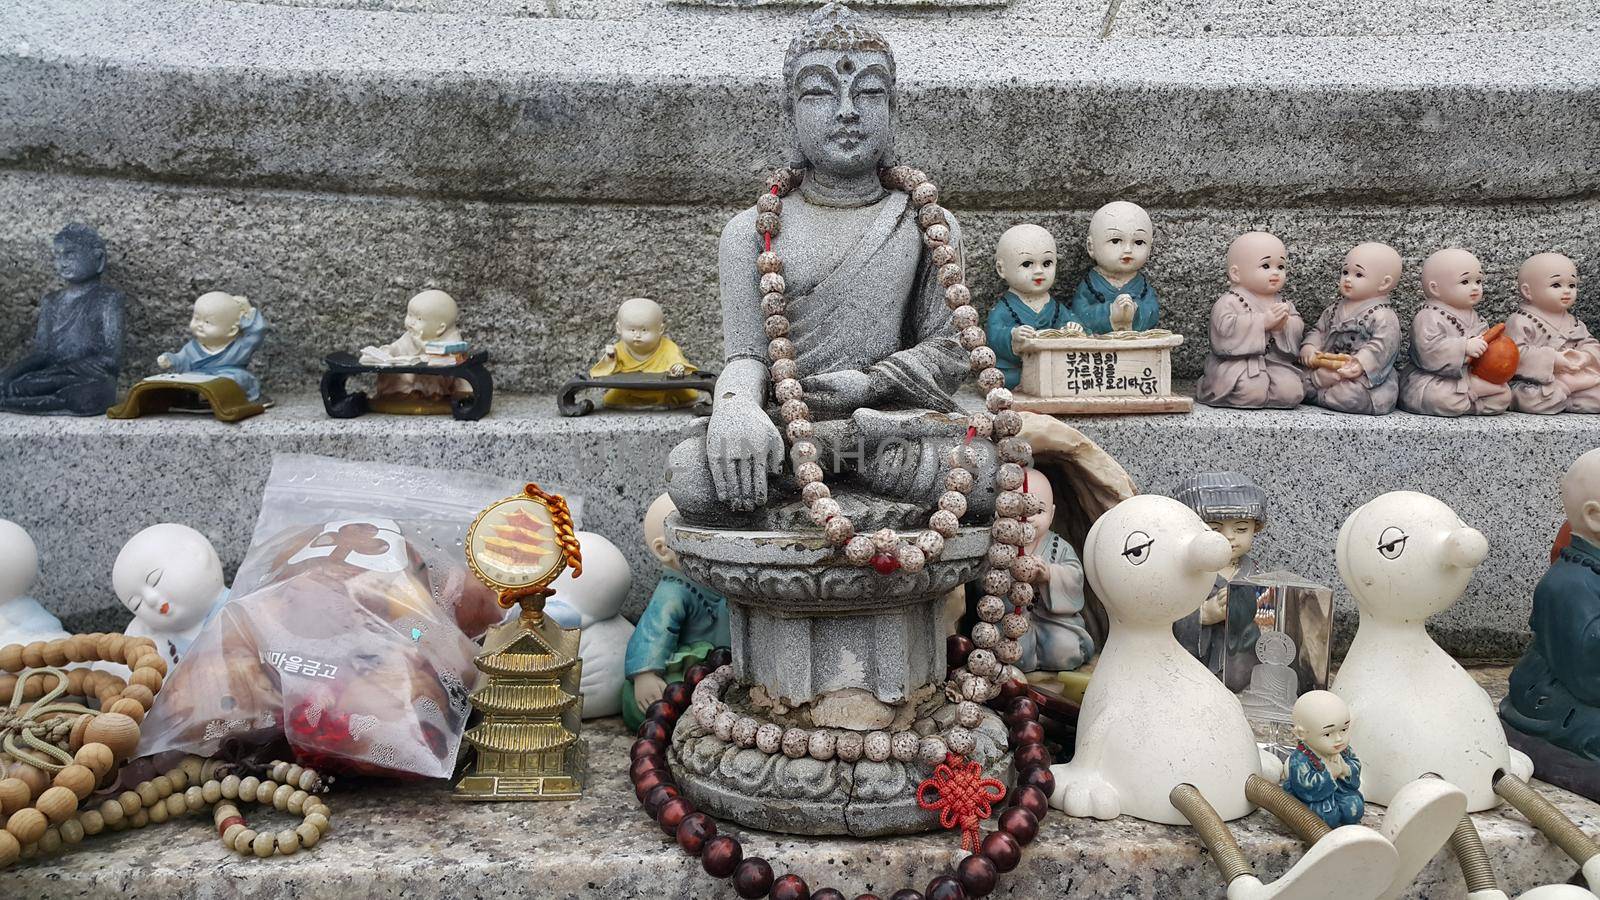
(839, 101)
(80, 253)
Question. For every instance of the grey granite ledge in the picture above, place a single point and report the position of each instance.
(413, 842)
(684, 110)
(83, 486)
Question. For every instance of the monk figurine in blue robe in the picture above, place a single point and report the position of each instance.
(1552, 711)
(1026, 259)
(227, 331)
(680, 627)
(1114, 295)
(1322, 771)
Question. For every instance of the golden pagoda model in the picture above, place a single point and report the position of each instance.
(527, 742)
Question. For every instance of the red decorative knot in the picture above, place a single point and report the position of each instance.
(962, 796)
(886, 563)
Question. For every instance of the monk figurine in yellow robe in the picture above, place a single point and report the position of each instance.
(642, 348)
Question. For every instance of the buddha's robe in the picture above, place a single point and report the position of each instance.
(681, 625)
(663, 358)
(1438, 382)
(232, 361)
(1250, 367)
(1009, 314)
(1555, 687)
(428, 387)
(76, 355)
(864, 296)
(1538, 387)
(1058, 640)
(1370, 332)
(1091, 302)
(1335, 801)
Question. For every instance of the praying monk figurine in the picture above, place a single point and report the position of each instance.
(72, 367)
(869, 332)
(1255, 332)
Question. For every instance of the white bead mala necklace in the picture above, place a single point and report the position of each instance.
(1008, 583)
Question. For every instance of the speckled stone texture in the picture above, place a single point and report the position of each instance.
(413, 842)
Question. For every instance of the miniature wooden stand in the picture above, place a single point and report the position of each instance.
(222, 397)
(1074, 374)
(340, 403)
(570, 404)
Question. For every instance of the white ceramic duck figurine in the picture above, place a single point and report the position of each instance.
(1405, 556)
(170, 577)
(593, 603)
(22, 619)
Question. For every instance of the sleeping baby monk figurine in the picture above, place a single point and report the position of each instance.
(1351, 350)
(1255, 333)
(1447, 335)
(642, 347)
(1559, 366)
(227, 331)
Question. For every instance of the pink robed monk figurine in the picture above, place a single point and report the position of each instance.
(1447, 336)
(1255, 333)
(1352, 348)
(1559, 369)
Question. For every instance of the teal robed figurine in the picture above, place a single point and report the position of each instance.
(1114, 295)
(1026, 259)
(681, 625)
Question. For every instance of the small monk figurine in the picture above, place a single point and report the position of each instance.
(1235, 507)
(1352, 348)
(1559, 369)
(1446, 336)
(1322, 771)
(430, 318)
(76, 356)
(227, 331)
(1059, 640)
(642, 347)
(1113, 295)
(1026, 260)
(1553, 707)
(680, 627)
(1255, 333)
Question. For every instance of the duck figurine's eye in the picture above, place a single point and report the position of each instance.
(1392, 542)
(1136, 549)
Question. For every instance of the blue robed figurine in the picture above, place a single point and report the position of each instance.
(680, 627)
(1120, 237)
(1322, 771)
(1026, 259)
(226, 331)
(1553, 707)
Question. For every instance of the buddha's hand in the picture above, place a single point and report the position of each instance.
(1475, 347)
(742, 447)
(647, 689)
(839, 393)
(164, 361)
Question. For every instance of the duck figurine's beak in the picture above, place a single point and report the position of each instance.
(1466, 548)
(1208, 552)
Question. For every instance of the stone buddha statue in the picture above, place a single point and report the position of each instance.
(873, 347)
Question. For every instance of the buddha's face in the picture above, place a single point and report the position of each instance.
(1120, 238)
(215, 320)
(1549, 281)
(76, 263)
(1453, 277)
(640, 326)
(428, 316)
(843, 105)
(168, 576)
(1369, 271)
(1259, 263)
(1026, 259)
(1322, 723)
(1241, 535)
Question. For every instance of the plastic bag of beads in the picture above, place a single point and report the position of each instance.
(350, 632)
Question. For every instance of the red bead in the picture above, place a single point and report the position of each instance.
(1038, 778)
(1033, 800)
(867, 897)
(886, 563)
(645, 764)
(1020, 824)
(1031, 756)
(672, 813)
(791, 887)
(1022, 710)
(957, 647)
(1027, 732)
(644, 747)
(658, 796)
(229, 822)
(720, 657)
(696, 674)
(678, 694)
(1003, 850)
(753, 878)
(945, 887)
(654, 730)
(828, 894)
(1011, 690)
(721, 855)
(661, 711)
(649, 781)
(977, 874)
(694, 831)
(906, 894)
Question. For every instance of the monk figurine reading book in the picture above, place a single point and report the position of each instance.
(643, 348)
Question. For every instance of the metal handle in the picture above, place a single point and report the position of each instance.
(1475, 865)
(1543, 814)
(1288, 809)
(1214, 833)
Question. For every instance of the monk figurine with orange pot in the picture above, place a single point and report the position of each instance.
(1449, 339)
